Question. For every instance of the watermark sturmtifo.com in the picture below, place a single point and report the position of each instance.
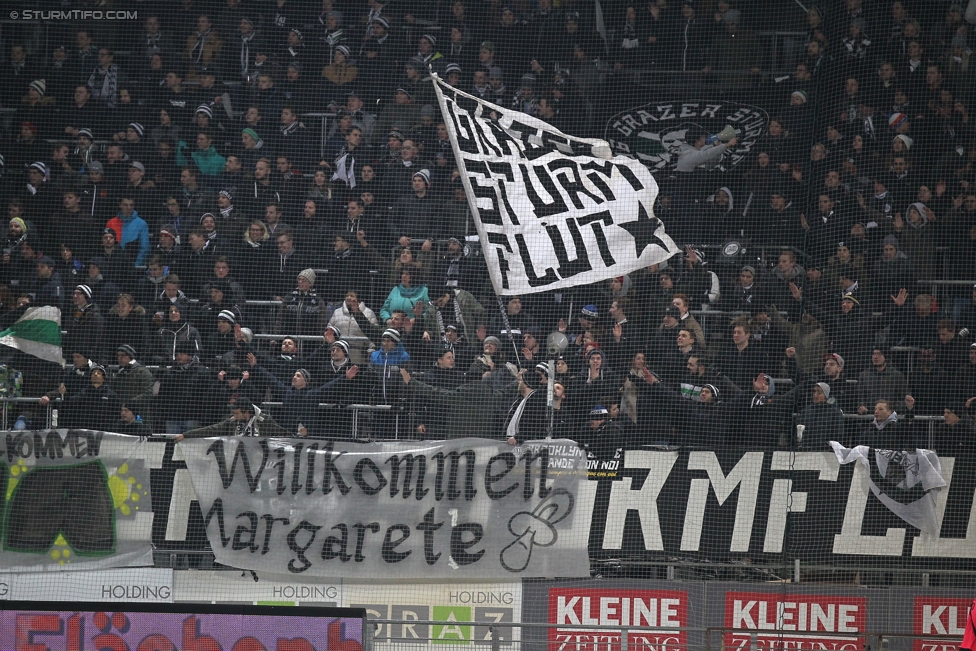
(73, 14)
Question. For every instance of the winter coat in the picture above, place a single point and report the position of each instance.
(918, 243)
(134, 385)
(890, 276)
(303, 314)
(343, 321)
(298, 406)
(824, 423)
(889, 384)
(94, 408)
(416, 217)
(118, 331)
(472, 313)
(184, 392)
(388, 387)
(350, 330)
(847, 334)
(164, 341)
(760, 420)
(403, 298)
(743, 366)
(85, 328)
(261, 425)
(48, 291)
(809, 340)
(133, 229)
(470, 410)
(893, 434)
(704, 425)
(209, 162)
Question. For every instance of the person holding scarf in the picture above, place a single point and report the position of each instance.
(105, 81)
(203, 48)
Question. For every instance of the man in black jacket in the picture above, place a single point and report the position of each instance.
(758, 418)
(85, 325)
(47, 288)
(184, 391)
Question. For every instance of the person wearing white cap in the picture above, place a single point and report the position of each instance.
(36, 108)
(221, 332)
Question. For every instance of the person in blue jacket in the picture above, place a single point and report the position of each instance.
(129, 227)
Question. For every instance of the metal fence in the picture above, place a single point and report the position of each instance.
(413, 635)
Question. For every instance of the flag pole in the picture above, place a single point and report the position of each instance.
(465, 181)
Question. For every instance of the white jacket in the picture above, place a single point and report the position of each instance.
(344, 322)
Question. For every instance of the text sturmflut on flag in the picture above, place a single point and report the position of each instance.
(551, 210)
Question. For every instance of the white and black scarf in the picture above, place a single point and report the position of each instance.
(196, 54)
(104, 84)
(246, 52)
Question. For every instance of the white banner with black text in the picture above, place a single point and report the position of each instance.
(552, 210)
(460, 509)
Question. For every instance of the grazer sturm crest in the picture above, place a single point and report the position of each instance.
(653, 133)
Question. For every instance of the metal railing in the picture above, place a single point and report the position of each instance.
(723, 639)
(515, 636)
(7, 401)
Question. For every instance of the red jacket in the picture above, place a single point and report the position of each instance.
(969, 637)
(116, 225)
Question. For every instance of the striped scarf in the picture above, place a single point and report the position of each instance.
(104, 84)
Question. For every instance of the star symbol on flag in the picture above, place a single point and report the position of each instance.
(642, 229)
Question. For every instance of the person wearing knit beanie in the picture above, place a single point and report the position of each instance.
(307, 275)
(825, 388)
(252, 133)
(40, 86)
(423, 174)
(343, 345)
(823, 420)
(85, 291)
(492, 341)
(303, 376)
(19, 225)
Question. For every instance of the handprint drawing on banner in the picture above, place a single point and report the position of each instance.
(537, 527)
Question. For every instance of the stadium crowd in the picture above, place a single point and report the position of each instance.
(213, 246)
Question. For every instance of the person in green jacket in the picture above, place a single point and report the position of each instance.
(206, 158)
(246, 419)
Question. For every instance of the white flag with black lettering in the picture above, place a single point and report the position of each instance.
(552, 210)
(904, 481)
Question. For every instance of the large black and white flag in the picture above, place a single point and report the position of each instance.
(904, 481)
(552, 210)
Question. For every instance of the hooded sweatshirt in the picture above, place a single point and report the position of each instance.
(384, 363)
